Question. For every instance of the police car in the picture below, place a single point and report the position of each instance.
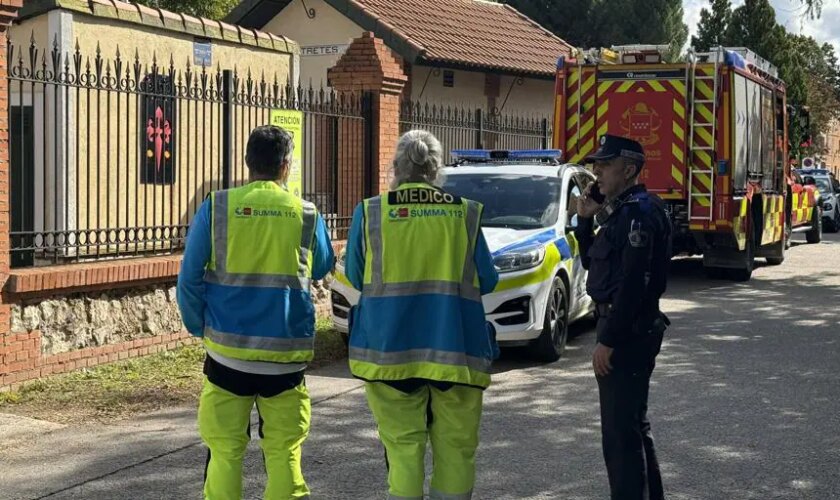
(528, 222)
(829, 189)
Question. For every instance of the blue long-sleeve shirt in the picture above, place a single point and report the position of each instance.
(195, 296)
(488, 278)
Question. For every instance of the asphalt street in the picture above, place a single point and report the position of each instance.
(745, 404)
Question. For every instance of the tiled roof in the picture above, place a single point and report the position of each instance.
(466, 33)
(164, 20)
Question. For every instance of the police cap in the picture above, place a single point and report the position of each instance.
(613, 146)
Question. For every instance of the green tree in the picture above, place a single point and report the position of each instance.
(753, 25)
(554, 15)
(713, 26)
(211, 9)
(603, 23)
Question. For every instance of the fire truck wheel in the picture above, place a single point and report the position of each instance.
(815, 234)
(745, 273)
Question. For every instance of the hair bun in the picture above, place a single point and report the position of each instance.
(418, 152)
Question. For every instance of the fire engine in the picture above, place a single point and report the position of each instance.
(714, 131)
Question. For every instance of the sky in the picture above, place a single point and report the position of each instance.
(789, 13)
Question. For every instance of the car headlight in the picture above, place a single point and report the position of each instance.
(827, 207)
(518, 260)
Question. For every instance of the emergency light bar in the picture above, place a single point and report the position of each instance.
(505, 154)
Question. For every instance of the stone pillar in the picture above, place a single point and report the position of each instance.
(8, 13)
(369, 66)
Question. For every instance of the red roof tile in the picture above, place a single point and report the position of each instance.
(471, 33)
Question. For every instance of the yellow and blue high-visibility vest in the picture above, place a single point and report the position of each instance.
(420, 313)
(262, 242)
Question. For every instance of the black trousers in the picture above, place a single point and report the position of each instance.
(632, 466)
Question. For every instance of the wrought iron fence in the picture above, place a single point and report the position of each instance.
(467, 128)
(111, 157)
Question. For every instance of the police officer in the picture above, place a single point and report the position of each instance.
(627, 261)
(244, 288)
(419, 337)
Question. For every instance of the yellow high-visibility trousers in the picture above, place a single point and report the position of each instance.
(224, 426)
(403, 429)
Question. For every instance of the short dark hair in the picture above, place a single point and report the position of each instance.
(268, 147)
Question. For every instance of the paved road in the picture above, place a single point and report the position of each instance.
(745, 404)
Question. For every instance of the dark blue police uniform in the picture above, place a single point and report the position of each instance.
(628, 261)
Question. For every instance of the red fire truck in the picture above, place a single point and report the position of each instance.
(714, 131)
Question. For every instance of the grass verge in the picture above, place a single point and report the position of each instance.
(126, 388)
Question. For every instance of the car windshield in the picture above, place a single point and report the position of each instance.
(823, 184)
(510, 200)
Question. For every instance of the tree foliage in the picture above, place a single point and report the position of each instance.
(714, 22)
(603, 23)
(211, 9)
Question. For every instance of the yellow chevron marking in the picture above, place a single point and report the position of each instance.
(703, 201)
(705, 89)
(624, 87)
(706, 113)
(574, 76)
(658, 87)
(587, 127)
(679, 109)
(678, 153)
(604, 87)
(603, 108)
(588, 83)
(603, 129)
(705, 158)
(704, 179)
(571, 121)
(677, 174)
(679, 86)
(589, 104)
(573, 100)
(679, 132)
(705, 135)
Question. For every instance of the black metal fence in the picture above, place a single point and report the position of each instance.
(112, 156)
(468, 128)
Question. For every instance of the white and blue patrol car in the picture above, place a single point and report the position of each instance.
(528, 222)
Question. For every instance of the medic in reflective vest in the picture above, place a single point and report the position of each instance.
(250, 257)
(418, 336)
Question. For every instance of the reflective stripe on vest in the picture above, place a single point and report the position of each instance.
(420, 356)
(378, 288)
(260, 343)
(221, 276)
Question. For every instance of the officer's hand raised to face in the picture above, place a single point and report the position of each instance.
(586, 206)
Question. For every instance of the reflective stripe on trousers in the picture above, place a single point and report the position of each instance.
(377, 288)
(220, 240)
(436, 495)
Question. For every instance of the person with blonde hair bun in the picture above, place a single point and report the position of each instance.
(418, 336)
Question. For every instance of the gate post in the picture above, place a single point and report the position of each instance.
(227, 128)
(369, 67)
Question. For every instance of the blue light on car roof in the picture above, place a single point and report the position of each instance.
(504, 154)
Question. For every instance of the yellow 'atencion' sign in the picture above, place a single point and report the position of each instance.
(292, 122)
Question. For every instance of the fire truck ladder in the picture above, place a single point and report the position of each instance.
(698, 121)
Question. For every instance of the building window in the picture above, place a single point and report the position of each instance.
(448, 78)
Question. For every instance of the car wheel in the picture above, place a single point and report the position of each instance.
(551, 343)
(815, 234)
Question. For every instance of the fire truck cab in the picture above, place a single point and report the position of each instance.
(714, 131)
